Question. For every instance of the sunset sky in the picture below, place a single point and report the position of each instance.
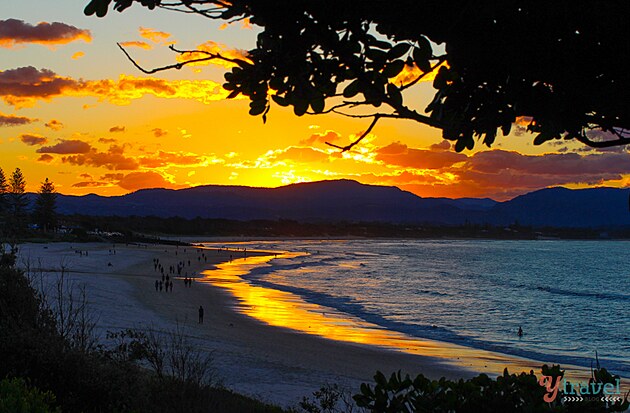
(75, 110)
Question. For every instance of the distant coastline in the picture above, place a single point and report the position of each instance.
(176, 228)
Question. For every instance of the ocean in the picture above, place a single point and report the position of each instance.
(571, 298)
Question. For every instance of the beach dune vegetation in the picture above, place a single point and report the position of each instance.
(90, 378)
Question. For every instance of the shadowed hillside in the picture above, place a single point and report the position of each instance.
(345, 200)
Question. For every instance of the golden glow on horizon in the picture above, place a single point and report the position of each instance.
(176, 128)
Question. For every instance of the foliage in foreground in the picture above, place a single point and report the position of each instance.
(31, 347)
(508, 393)
(17, 397)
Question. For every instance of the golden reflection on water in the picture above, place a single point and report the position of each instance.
(284, 309)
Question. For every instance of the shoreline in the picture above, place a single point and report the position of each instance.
(246, 239)
(272, 363)
(352, 329)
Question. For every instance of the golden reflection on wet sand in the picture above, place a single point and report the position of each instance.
(284, 309)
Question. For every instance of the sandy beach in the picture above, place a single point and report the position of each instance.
(270, 362)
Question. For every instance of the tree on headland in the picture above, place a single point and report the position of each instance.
(45, 211)
(3, 191)
(17, 204)
(559, 68)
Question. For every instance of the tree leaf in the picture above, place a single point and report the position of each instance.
(398, 50)
(352, 89)
(280, 100)
(422, 58)
(257, 110)
(423, 53)
(440, 79)
(229, 86)
(542, 137)
(300, 107)
(394, 68)
(318, 104)
(394, 94)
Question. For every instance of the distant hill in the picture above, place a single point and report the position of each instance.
(562, 207)
(346, 200)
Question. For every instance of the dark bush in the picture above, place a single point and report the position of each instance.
(508, 393)
(31, 347)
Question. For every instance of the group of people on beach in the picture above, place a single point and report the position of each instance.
(175, 271)
(164, 284)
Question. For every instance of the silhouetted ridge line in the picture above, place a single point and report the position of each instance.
(350, 201)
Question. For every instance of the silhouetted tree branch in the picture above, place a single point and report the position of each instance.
(210, 56)
(563, 64)
(360, 138)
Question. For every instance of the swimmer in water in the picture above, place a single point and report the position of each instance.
(520, 332)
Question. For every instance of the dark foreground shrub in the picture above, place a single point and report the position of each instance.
(508, 393)
(17, 397)
(32, 347)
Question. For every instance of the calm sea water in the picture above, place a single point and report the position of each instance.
(572, 298)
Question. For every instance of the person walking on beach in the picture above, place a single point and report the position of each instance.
(200, 315)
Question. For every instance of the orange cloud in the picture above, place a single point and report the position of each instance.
(328, 136)
(129, 88)
(523, 121)
(442, 146)
(23, 86)
(114, 129)
(64, 147)
(215, 48)
(497, 174)
(298, 154)
(77, 55)
(13, 31)
(112, 177)
(142, 45)
(54, 124)
(107, 140)
(568, 164)
(158, 133)
(45, 158)
(113, 159)
(33, 140)
(155, 36)
(398, 154)
(162, 159)
(13, 120)
(90, 184)
(142, 180)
